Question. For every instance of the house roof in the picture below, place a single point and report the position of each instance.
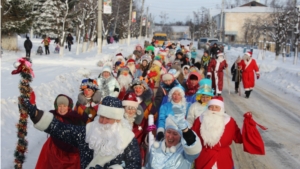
(250, 9)
(253, 3)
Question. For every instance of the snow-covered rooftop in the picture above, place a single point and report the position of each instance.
(249, 9)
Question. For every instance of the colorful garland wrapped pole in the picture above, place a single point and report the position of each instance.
(23, 66)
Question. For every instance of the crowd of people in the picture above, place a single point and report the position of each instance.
(108, 127)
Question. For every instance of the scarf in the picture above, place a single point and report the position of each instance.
(169, 87)
(191, 90)
(205, 60)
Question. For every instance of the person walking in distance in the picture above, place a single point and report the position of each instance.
(46, 44)
(69, 41)
(28, 46)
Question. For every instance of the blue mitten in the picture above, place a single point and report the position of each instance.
(180, 123)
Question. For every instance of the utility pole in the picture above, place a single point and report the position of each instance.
(0, 31)
(116, 20)
(147, 23)
(129, 23)
(99, 27)
(141, 24)
(221, 22)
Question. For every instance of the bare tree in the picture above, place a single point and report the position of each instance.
(163, 18)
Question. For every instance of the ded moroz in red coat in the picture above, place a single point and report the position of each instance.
(215, 70)
(248, 69)
(219, 154)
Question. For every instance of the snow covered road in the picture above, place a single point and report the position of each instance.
(276, 111)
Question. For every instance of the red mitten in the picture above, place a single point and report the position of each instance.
(257, 76)
(152, 74)
(32, 98)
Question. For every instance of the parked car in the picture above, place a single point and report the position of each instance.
(202, 42)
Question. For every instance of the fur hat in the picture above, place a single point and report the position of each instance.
(130, 100)
(111, 107)
(138, 81)
(157, 63)
(130, 61)
(62, 100)
(168, 76)
(89, 83)
(181, 91)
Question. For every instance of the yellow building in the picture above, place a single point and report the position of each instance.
(235, 18)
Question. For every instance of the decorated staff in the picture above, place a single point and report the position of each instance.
(23, 66)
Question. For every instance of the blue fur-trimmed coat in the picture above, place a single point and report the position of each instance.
(75, 135)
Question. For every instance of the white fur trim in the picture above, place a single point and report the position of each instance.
(257, 73)
(209, 73)
(216, 102)
(157, 63)
(116, 166)
(130, 103)
(247, 63)
(156, 144)
(111, 112)
(16, 64)
(160, 130)
(44, 122)
(126, 136)
(173, 149)
(193, 149)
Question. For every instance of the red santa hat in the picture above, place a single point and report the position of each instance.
(157, 63)
(163, 52)
(119, 54)
(249, 53)
(167, 76)
(130, 100)
(130, 61)
(217, 100)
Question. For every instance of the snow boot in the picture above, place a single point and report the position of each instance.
(236, 90)
(247, 94)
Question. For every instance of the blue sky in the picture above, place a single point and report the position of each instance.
(178, 10)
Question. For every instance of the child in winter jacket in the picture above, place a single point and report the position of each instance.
(107, 83)
(88, 100)
(55, 153)
(203, 95)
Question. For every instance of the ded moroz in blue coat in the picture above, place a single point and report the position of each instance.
(75, 135)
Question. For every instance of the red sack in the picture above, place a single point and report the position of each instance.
(252, 140)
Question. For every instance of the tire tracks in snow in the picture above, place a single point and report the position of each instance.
(281, 139)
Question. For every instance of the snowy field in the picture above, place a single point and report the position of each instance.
(274, 101)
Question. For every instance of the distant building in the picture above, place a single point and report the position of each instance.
(234, 20)
(177, 32)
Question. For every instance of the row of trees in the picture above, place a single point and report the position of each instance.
(57, 18)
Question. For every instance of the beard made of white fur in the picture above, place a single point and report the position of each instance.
(105, 139)
(212, 127)
(124, 81)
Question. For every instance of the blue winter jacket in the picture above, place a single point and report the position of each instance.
(165, 110)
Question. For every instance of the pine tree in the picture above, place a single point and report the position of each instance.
(16, 16)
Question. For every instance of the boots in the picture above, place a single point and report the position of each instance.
(247, 94)
(236, 90)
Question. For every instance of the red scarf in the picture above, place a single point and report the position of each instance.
(191, 90)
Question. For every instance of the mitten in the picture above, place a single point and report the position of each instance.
(152, 74)
(159, 136)
(31, 108)
(180, 123)
(257, 76)
(179, 112)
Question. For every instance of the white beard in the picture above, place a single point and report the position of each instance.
(124, 81)
(130, 119)
(132, 68)
(212, 127)
(105, 139)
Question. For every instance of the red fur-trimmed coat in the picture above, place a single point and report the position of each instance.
(220, 154)
(215, 70)
(248, 69)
